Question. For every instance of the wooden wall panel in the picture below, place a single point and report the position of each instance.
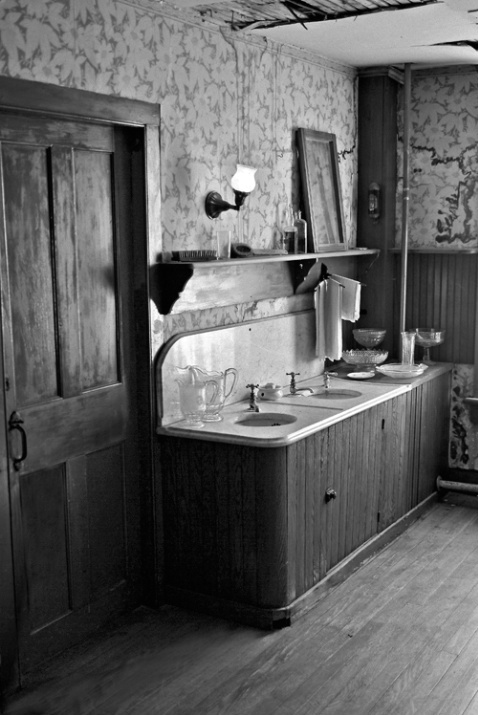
(377, 163)
(434, 430)
(441, 293)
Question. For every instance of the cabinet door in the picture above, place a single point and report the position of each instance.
(323, 529)
(225, 522)
(433, 410)
(398, 458)
(351, 465)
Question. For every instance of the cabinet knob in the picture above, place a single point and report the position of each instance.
(330, 494)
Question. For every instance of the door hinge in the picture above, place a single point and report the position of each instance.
(7, 384)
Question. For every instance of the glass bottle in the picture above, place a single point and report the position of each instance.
(301, 226)
(289, 233)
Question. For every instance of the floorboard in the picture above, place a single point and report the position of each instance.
(398, 637)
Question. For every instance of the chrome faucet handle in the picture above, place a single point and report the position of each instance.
(292, 381)
(327, 376)
(253, 407)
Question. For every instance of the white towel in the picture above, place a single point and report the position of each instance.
(328, 305)
(350, 298)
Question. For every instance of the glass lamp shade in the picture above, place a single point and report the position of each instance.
(244, 179)
(243, 182)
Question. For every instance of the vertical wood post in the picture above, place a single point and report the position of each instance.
(405, 196)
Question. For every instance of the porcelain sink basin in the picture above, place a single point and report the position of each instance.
(266, 419)
(337, 394)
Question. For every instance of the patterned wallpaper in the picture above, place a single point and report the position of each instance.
(443, 160)
(444, 202)
(226, 100)
(223, 100)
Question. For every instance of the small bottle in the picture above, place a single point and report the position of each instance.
(301, 226)
(289, 233)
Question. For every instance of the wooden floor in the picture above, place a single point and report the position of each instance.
(399, 636)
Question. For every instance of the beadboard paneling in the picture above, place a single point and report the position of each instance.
(441, 293)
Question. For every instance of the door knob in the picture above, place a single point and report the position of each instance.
(15, 423)
(330, 494)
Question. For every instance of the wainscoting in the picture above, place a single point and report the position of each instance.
(442, 293)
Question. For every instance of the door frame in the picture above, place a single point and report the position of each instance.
(66, 103)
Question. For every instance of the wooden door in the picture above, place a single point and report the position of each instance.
(73, 467)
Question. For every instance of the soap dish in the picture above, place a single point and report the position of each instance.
(270, 391)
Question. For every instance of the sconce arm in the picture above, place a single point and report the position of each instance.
(215, 205)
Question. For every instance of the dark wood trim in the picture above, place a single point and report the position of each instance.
(9, 670)
(382, 71)
(68, 102)
(377, 163)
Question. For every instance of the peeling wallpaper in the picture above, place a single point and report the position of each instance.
(443, 160)
(443, 211)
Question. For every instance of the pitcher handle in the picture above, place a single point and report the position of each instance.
(212, 399)
(232, 371)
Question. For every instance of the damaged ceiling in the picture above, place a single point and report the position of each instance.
(358, 33)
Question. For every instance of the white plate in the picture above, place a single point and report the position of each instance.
(360, 375)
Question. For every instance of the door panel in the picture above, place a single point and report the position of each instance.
(96, 268)
(67, 318)
(44, 526)
(107, 537)
(28, 259)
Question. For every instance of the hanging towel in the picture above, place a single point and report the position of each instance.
(328, 304)
(350, 298)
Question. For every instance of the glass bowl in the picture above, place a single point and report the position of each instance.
(364, 357)
(428, 338)
(369, 337)
(400, 370)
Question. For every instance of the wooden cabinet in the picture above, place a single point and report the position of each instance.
(253, 533)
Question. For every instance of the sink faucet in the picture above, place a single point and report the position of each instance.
(294, 390)
(327, 376)
(253, 406)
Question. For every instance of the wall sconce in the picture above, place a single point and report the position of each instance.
(243, 182)
(374, 202)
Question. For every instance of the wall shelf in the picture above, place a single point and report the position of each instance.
(277, 259)
(439, 251)
(178, 286)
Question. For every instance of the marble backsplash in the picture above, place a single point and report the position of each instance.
(261, 351)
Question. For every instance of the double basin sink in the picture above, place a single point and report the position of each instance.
(277, 419)
(291, 417)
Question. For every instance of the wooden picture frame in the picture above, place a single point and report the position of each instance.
(321, 192)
